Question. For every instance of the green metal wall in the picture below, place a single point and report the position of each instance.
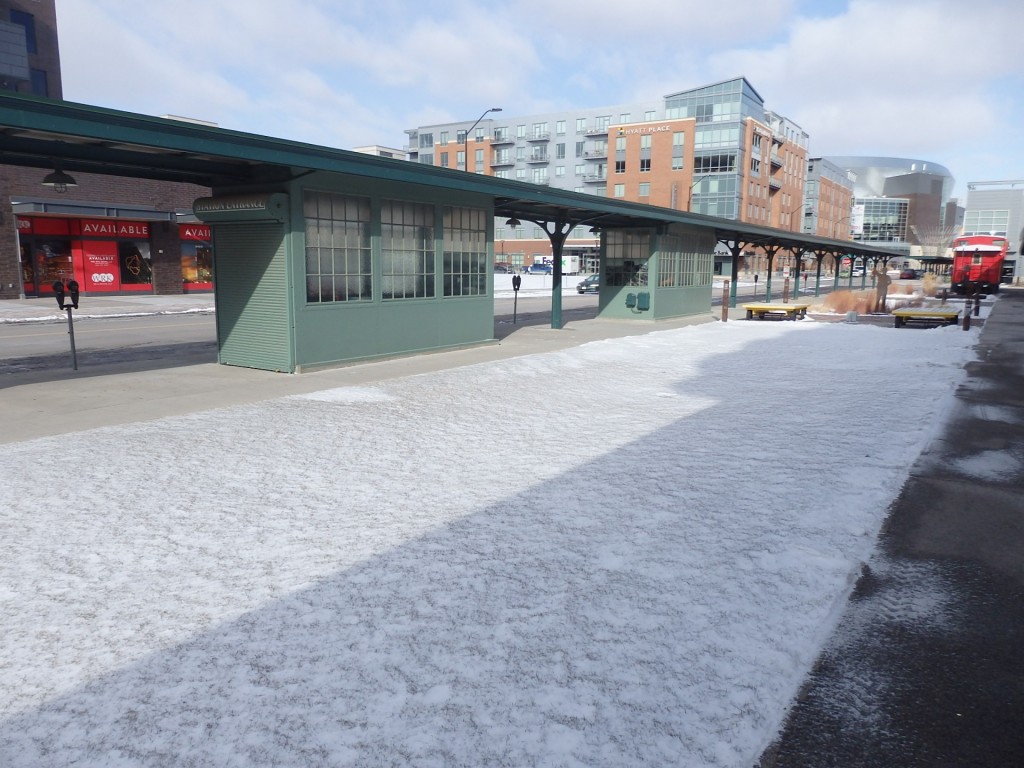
(338, 332)
(665, 302)
(250, 272)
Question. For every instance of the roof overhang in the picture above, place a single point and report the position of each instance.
(36, 132)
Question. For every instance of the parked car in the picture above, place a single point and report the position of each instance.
(539, 269)
(591, 284)
(908, 274)
(502, 269)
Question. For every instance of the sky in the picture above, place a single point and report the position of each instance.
(932, 80)
(621, 553)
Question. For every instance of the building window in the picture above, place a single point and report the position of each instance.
(677, 163)
(478, 160)
(406, 250)
(559, 170)
(465, 252)
(460, 160)
(581, 170)
(627, 260)
(645, 189)
(521, 131)
(444, 159)
(560, 128)
(426, 140)
(715, 163)
(645, 164)
(580, 148)
(28, 21)
(40, 84)
(560, 151)
(620, 166)
(624, 117)
(987, 222)
(620, 190)
(645, 141)
(650, 115)
(620, 143)
(338, 261)
(581, 125)
(444, 137)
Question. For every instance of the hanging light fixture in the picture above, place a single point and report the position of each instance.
(58, 180)
(513, 222)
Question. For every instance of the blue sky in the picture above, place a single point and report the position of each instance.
(934, 80)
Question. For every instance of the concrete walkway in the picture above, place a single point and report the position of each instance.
(926, 667)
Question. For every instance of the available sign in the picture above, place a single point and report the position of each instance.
(100, 266)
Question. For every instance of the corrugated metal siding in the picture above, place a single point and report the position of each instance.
(253, 326)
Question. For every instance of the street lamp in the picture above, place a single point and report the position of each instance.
(689, 195)
(465, 136)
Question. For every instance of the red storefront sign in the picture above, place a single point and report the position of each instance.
(195, 232)
(114, 228)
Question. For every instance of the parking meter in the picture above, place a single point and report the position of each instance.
(58, 292)
(516, 282)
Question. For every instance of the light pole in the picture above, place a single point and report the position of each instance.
(465, 136)
(689, 195)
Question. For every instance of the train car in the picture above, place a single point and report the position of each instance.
(978, 264)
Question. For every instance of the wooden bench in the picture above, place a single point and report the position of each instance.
(929, 316)
(786, 311)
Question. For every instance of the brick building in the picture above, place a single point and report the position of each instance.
(111, 234)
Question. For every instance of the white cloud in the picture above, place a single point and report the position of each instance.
(923, 78)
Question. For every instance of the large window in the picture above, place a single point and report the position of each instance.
(627, 257)
(465, 252)
(986, 222)
(684, 262)
(715, 163)
(406, 250)
(338, 263)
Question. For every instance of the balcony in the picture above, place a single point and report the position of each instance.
(774, 185)
(502, 140)
(776, 160)
(596, 130)
(539, 137)
(538, 157)
(595, 178)
(498, 162)
(595, 154)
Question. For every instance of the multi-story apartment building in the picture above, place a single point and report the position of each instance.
(713, 150)
(111, 235)
(828, 199)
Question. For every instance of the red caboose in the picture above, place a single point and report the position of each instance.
(978, 263)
